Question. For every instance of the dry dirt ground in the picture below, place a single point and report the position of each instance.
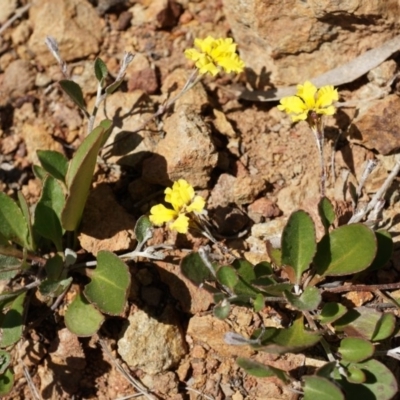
(272, 164)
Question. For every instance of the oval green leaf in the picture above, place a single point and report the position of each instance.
(143, 229)
(259, 370)
(82, 318)
(227, 276)
(346, 250)
(80, 174)
(6, 382)
(379, 383)
(298, 243)
(100, 70)
(12, 323)
(326, 213)
(384, 327)
(331, 312)
(384, 252)
(109, 285)
(355, 374)
(355, 349)
(193, 267)
(54, 163)
(74, 91)
(12, 222)
(308, 300)
(48, 212)
(316, 387)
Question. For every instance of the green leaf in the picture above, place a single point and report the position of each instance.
(109, 285)
(355, 350)
(6, 382)
(48, 212)
(278, 289)
(326, 213)
(384, 251)
(27, 216)
(39, 172)
(79, 176)
(244, 269)
(12, 322)
(54, 288)
(221, 311)
(143, 229)
(74, 91)
(379, 384)
(366, 323)
(9, 267)
(54, 267)
(227, 276)
(316, 387)
(259, 370)
(384, 327)
(263, 269)
(355, 374)
(259, 303)
(346, 250)
(193, 267)
(12, 222)
(113, 87)
(82, 318)
(293, 339)
(331, 312)
(308, 300)
(4, 361)
(100, 70)
(298, 243)
(274, 253)
(54, 163)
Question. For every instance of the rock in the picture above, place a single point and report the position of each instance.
(142, 76)
(105, 224)
(21, 33)
(263, 208)
(36, 138)
(129, 111)
(7, 8)
(377, 127)
(64, 366)
(210, 330)
(186, 152)
(150, 344)
(196, 98)
(229, 220)
(191, 299)
(164, 13)
(19, 78)
(298, 40)
(241, 189)
(74, 24)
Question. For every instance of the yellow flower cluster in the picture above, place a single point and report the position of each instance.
(215, 54)
(183, 200)
(307, 99)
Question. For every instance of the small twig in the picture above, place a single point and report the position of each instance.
(363, 288)
(52, 45)
(369, 167)
(378, 195)
(188, 388)
(18, 14)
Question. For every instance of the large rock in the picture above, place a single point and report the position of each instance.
(292, 41)
(377, 127)
(75, 25)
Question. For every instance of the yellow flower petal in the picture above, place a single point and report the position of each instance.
(307, 93)
(292, 104)
(160, 214)
(181, 224)
(215, 54)
(326, 96)
(197, 204)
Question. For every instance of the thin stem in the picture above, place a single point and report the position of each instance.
(363, 288)
(318, 131)
(18, 14)
(378, 195)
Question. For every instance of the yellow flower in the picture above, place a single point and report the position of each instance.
(307, 99)
(183, 200)
(215, 54)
